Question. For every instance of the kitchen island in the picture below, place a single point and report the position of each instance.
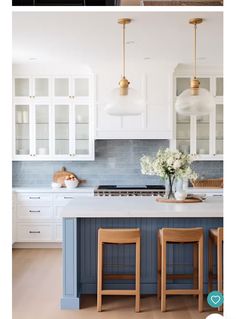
(83, 216)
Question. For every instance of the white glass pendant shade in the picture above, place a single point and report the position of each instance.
(121, 105)
(201, 103)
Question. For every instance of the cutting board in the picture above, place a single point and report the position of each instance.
(59, 176)
(192, 199)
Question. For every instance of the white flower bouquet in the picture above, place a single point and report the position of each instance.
(168, 164)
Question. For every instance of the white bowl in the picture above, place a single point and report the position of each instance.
(55, 185)
(180, 195)
(71, 184)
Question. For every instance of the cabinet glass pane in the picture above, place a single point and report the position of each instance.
(22, 129)
(203, 134)
(42, 129)
(183, 133)
(205, 83)
(22, 87)
(181, 85)
(81, 87)
(41, 87)
(62, 129)
(81, 129)
(219, 129)
(219, 87)
(61, 87)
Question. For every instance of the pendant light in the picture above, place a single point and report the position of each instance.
(195, 100)
(124, 100)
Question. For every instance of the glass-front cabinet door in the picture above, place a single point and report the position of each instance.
(219, 145)
(22, 131)
(41, 87)
(80, 88)
(82, 130)
(61, 135)
(61, 87)
(21, 87)
(201, 136)
(42, 130)
(183, 129)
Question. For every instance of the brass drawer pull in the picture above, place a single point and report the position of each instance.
(34, 211)
(34, 231)
(37, 197)
(68, 197)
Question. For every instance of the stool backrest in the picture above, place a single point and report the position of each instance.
(185, 235)
(119, 236)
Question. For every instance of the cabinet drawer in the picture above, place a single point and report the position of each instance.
(58, 232)
(34, 232)
(28, 199)
(63, 199)
(34, 212)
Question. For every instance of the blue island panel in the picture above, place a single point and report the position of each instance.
(80, 255)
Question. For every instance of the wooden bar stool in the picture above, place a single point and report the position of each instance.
(180, 235)
(118, 236)
(216, 237)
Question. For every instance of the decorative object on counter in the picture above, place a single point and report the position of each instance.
(124, 100)
(55, 185)
(180, 195)
(71, 181)
(195, 100)
(169, 165)
(60, 176)
(208, 183)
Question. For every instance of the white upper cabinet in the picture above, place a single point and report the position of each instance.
(31, 87)
(155, 122)
(201, 136)
(53, 118)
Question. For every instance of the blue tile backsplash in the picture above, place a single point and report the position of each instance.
(116, 162)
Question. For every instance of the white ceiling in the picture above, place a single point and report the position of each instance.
(89, 38)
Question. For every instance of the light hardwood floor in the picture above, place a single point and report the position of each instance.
(37, 292)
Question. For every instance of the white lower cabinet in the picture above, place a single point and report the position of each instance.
(37, 216)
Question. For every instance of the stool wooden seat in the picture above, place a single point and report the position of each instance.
(180, 235)
(118, 236)
(216, 237)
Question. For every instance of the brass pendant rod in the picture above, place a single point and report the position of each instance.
(195, 52)
(123, 51)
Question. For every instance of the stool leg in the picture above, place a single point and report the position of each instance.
(200, 274)
(219, 266)
(210, 264)
(158, 267)
(99, 283)
(195, 266)
(137, 277)
(163, 276)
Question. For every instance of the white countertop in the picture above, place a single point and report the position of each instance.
(82, 189)
(140, 207)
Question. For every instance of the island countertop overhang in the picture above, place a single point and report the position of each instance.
(140, 207)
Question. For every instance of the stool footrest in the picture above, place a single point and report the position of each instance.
(182, 292)
(118, 276)
(179, 276)
(118, 292)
